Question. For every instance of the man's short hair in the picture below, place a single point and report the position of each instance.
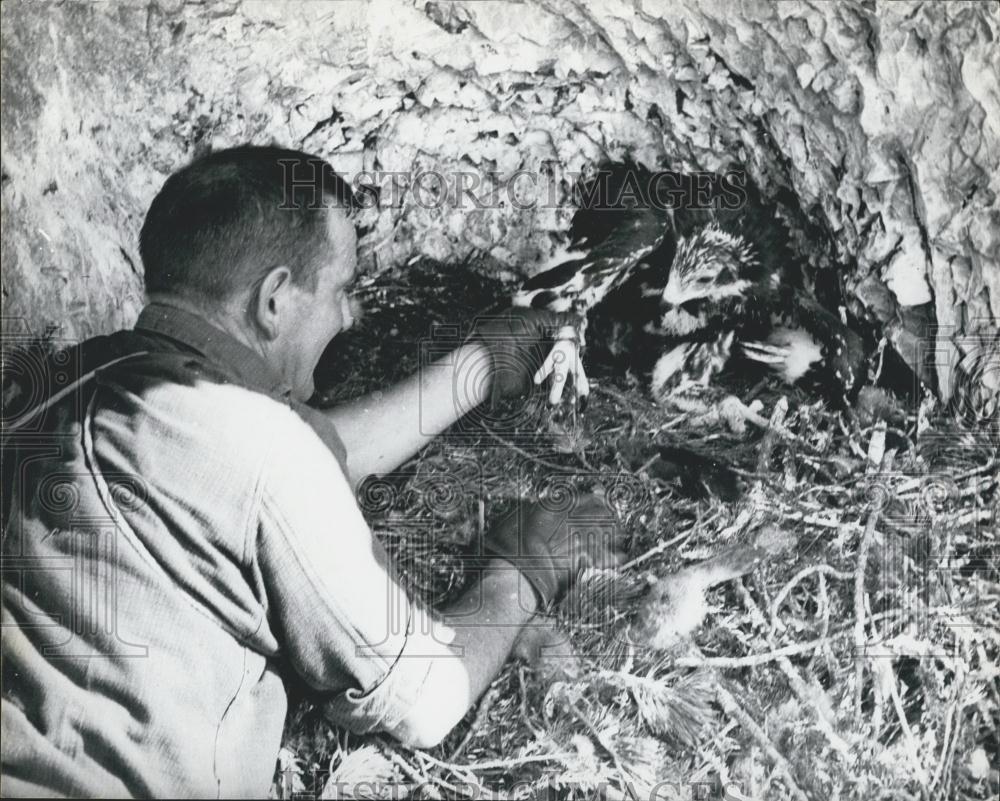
(220, 224)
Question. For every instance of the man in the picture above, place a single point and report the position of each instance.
(183, 534)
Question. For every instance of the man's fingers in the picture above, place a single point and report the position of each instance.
(562, 362)
(559, 377)
(548, 364)
(580, 382)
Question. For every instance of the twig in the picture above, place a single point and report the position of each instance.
(774, 427)
(420, 779)
(874, 457)
(648, 463)
(415, 776)
(780, 597)
(582, 456)
(755, 659)
(989, 467)
(974, 516)
(798, 648)
(859, 607)
(673, 423)
(878, 690)
(658, 548)
(500, 764)
(849, 436)
(807, 696)
(945, 746)
(470, 780)
(530, 456)
(951, 737)
(477, 722)
(733, 709)
(524, 702)
(911, 743)
(824, 614)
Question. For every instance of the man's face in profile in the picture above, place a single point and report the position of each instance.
(325, 312)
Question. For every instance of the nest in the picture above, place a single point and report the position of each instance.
(861, 663)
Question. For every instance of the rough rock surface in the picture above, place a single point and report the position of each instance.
(883, 119)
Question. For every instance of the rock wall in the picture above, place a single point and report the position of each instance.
(883, 119)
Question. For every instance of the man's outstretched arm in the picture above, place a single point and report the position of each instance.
(504, 355)
(383, 429)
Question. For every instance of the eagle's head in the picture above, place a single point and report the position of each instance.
(710, 266)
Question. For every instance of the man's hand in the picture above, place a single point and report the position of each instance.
(517, 340)
(551, 542)
(563, 361)
(545, 547)
(384, 429)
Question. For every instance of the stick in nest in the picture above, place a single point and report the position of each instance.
(808, 571)
(859, 607)
(477, 722)
(530, 456)
(774, 429)
(733, 709)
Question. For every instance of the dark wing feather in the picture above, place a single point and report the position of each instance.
(604, 201)
(583, 280)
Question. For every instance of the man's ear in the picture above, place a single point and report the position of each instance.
(269, 308)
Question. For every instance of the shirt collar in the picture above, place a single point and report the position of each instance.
(221, 349)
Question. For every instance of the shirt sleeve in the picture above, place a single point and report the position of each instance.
(343, 619)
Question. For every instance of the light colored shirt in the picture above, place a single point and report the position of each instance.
(180, 536)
